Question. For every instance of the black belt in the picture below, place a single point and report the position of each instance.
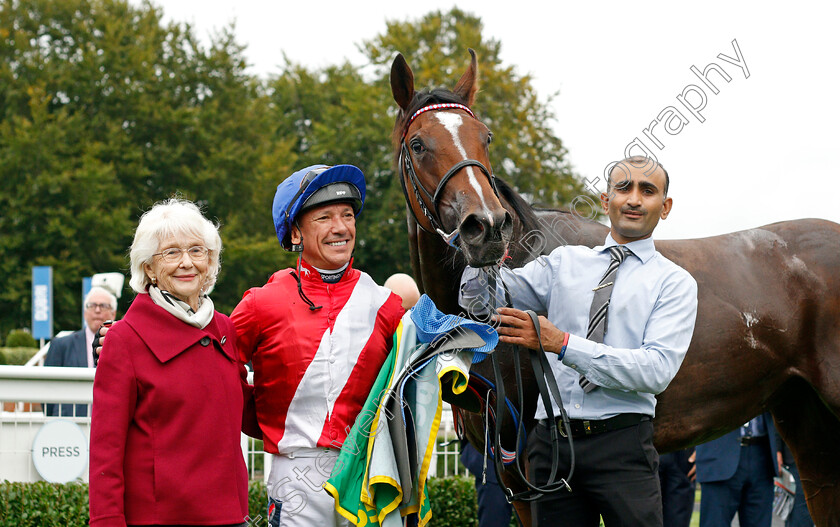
(588, 427)
(753, 440)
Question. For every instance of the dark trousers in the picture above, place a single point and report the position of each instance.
(615, 477)
(677, 489)
(749, 492)
(493, 508)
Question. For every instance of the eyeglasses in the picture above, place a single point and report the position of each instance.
(103, 307)
(198, 253)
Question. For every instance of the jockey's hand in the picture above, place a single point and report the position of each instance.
(516, 327)
(99, 340)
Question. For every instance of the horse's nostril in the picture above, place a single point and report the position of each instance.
(476, 228)
(472, 228)
(507, 225)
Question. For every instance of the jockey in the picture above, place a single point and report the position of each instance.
(317, 336)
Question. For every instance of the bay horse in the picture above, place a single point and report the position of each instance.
(767, 336)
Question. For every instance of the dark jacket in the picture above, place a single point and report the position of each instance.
(718, 459)
(68, 351)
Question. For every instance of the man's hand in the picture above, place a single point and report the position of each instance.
(517, 328)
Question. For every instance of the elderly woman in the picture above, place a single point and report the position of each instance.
(168, 394)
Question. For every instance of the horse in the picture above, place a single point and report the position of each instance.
(767, 335)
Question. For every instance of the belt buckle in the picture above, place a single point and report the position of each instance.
(559, 425)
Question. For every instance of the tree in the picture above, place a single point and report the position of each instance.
(525, 150)
(339, 116)
(104, 111)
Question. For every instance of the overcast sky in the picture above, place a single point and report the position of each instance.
(764, 152)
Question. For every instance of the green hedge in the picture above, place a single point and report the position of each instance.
(48, 504)
(16, 356)
(19, 338)
(43, 505)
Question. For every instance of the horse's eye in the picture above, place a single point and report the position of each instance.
(417, 146)
(489, 137)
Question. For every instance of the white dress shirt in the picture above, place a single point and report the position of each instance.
(649, 323)
(89, 346)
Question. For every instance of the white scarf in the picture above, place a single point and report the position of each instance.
(181, 310)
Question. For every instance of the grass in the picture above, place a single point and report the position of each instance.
(695, 516)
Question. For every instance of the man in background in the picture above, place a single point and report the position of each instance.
(678, 487)
(735, 472)
(75, 349)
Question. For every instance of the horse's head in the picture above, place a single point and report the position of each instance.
(444, 164)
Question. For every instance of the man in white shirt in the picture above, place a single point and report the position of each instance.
(608, 373)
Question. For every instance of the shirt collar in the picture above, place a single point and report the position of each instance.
(310, 273)
(89, 346)
(643, 249)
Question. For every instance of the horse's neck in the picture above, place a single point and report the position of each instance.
(554, 228)
(437, 268)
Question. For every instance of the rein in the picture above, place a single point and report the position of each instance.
(545, 384)
(407, 165)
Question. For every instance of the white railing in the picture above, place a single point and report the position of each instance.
(24, 390)
(445, 460)
(41, 354)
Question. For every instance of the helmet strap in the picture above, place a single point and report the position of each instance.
(312, 306)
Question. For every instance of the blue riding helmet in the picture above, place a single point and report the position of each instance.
(313, 186)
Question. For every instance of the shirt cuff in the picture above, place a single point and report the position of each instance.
(579, 353)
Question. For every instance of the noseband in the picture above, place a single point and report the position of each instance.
(409, 173)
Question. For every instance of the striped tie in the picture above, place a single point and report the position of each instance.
(600, 303)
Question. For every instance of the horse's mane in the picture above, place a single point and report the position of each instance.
(521, 208)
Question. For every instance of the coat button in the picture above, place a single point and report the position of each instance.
(205, 341)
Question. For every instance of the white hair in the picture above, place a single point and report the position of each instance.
(96, 290)
(172, 217)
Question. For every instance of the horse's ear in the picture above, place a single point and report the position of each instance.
(468, 84)
(402, 82)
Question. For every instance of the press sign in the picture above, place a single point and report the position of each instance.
(60, 451)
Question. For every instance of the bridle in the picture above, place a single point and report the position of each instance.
(544, 378)
(425, 198)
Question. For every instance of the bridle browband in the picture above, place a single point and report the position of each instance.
(408, 172)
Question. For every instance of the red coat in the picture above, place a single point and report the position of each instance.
(165, 431)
